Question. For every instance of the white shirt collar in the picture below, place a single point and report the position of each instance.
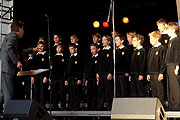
(41, 53)
(172, 37)
(30, 58)
(61, 54)
(75, 54)
(140, 47)
(57, 44)
(107, 48)
(157, 45)
(95, 55)
(121, 47)
(165, 32)
(76, 44)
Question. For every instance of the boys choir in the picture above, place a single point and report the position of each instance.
(133, 66)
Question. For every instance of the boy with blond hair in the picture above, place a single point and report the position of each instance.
(162, 27)
(156, 66)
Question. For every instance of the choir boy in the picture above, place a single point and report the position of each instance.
(137, 67)
(156, 66)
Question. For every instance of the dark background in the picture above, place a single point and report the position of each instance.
(70, 17)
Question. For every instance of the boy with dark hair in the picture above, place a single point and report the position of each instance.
(173, 61)
(97, 39)
(122, 69)
(156, 66)
(73, 77)
(41, 81)
(58, 71)
(104, 74)
(57, 40)
(137, 67)
(91, 81)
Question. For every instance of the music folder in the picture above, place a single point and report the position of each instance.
(31, 72)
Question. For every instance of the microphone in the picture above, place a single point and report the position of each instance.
(45, 15)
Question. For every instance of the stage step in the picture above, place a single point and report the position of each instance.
(81, 113)
(169, 114)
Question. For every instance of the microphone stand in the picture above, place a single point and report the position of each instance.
(50, 60)
(111, 11)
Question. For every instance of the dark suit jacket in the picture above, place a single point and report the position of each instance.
(9, 53)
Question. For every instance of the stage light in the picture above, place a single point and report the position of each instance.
(105, 24)
(125, 20)
(96, 24)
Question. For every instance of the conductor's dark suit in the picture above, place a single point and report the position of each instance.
(9, 58)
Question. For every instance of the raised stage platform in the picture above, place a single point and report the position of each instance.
(169, 114)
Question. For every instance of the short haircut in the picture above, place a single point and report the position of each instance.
(16, 25)
(58, 34)
(173, 25)
(98, 35)
(162, 21)
(95, 45)
(121, 36)
(74, 36)
(131, 33)
(43, 37)
(155, 34)
(108, 38)
(72, 45)
(60, 45)
(41, 43)
(139, 37)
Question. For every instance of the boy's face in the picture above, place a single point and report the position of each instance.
(95, 39)
(40, 47)
(135, 42)
(72, 50)
(153, 40)
(170, 32)
(129, 38)
(59, 49)
(73, 39)
(94, 50)
(161, 27)
(105, 42)
(119, 42)
(56, 39)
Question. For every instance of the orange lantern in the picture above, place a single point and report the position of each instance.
(125, 20)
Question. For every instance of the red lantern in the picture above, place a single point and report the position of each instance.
(105, 24)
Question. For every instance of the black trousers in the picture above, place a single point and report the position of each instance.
(105, 91)
(92, 94)
(137, 87)
(40, 89)
(58, 92)
(157, 88)
(121, 86)
(74, 94)
(173, 94)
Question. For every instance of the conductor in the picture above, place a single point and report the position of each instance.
(10, 55)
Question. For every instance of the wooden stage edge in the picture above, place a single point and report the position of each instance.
(169, 114)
